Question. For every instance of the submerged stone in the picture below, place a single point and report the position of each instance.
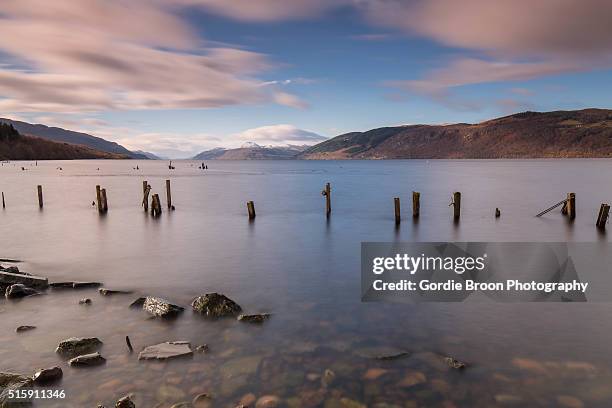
(164, 351)
(22, 329)
(78, 345)
(254, 318)
(11, 382)
(84, 285)
(8, 279)
(19, 290)
(85, 301)
(456, 364)
(215, 305)
(87, 360)
(161, 307)
(109, 292)
(47, 375)
(125, 402)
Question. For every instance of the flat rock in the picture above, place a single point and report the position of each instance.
(19, 290)
(254, 318)
(21, 329)
(84, 285)
(75, 346)
(87, 360)
(215, 305)
(125, 402)
(8, 279)
(47, 375)
(138, 303)
(161, 307)
(165, 351)
(10, 382)
(109, 292)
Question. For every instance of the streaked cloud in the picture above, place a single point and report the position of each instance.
(279, 135)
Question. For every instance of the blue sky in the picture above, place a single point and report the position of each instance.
(187, 75)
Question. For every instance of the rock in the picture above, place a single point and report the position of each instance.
(10, 382)
(508, 399)
(160, 307)
(61, 285)
(87, 360)
(215, 305)
(22, 329)
(15, 270)
(183, 404)
(85, 285)
(169, 393)
(569, 401)
(242, 366)
(75, 346)
(18, 291)
(268, 401)
(248, 399)
(413, 378)
(164, 351)
(374, 373)
(8, 279)
(202, 348)
(328, 377)
(47, 375)
(393, 356)
(254, 318)
(109, 292)
(125, 402)
(138, 302)
(202, 401)
(85, 301)
(456, 364)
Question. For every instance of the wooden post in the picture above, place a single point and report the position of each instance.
(145, 195)
(40, 197)
(104, 200)
(602, 218)
(497, 213)
(99, 199)
(168, 194)
(327, 194)
(456, 205)
(416, 204)
(398, 214)
(155, 205)
(571, 205)
(251, 209)
(3, 203)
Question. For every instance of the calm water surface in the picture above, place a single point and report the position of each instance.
(305, 270)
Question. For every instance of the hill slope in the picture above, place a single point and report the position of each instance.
(62, 135)
(14, 146)
(252, 151)
(583, 133)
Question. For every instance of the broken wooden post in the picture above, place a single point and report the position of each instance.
(40, 197)
(155, 205)
(104, 201)
(571, 205)
(416, 204)
(398, 216)
(99, 198)
(497, 213)
(145, 195)
(168, 194)
(3, 203)
(602, 218)
(251, 210)
(456, 205)
(327, 194)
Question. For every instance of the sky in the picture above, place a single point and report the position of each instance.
(176, 77)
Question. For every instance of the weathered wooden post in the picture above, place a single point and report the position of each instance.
(155, 205)
(3, 203)
(168, 194)
(99, 198)
(602, 218)
(251, 209)
(456, 205)
(497, 213)
(416, 204)
(327, 194)
(104, 200)
(40, 197)
(571, 205)
(145, 195)
(398, 214)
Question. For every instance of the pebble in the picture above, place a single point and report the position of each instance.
(268, 401)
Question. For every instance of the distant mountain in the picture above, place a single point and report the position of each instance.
(148, 155)
(15, 146)
(62, 135)
(581, 133)
(252, 151)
